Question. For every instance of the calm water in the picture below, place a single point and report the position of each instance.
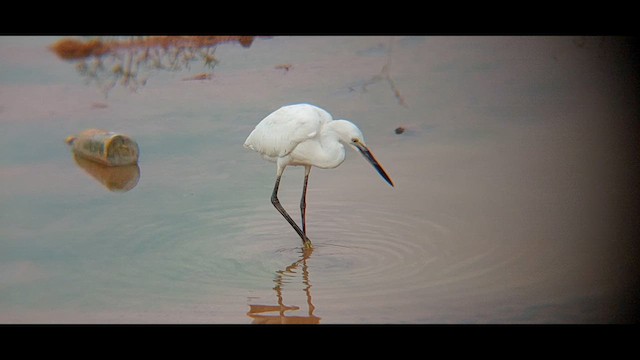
(515, 199)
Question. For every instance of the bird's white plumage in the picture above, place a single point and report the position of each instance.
(278, 134)
(306, 135)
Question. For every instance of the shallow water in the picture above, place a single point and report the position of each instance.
(514, 199)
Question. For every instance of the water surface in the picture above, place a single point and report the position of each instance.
(514, 201)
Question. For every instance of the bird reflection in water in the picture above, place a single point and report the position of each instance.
(278, 313)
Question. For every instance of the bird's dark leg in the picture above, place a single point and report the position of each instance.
(303, 200)
(274, 200)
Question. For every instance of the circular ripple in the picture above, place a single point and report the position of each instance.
(372, 251)
(367, 257)
(360, 253)
(185, 254)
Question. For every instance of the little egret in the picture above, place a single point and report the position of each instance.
(306, 135)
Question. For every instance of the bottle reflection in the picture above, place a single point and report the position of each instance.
(279, 311)
(114, 178)
(128, 61)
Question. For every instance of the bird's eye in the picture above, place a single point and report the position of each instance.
(355, 140)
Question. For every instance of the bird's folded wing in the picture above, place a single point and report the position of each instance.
(280, 132)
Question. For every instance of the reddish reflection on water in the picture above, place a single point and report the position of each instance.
(127, 61)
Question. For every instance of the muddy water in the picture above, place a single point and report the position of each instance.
(514, 199)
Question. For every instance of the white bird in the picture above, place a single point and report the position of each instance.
(306, 135)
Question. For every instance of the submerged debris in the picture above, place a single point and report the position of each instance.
(99, 105)
(105, 147)
(201, 76)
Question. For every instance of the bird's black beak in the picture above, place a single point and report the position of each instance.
(364, 150)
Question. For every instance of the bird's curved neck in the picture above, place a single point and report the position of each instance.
(333, 152)
(326, 152)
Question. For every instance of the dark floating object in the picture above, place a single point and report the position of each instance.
(105, 147)
(399, 130)
(285, 67)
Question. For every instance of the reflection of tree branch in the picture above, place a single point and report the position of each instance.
(385, 75)
(128, 62)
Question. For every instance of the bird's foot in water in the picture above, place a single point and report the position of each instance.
(307, 244)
